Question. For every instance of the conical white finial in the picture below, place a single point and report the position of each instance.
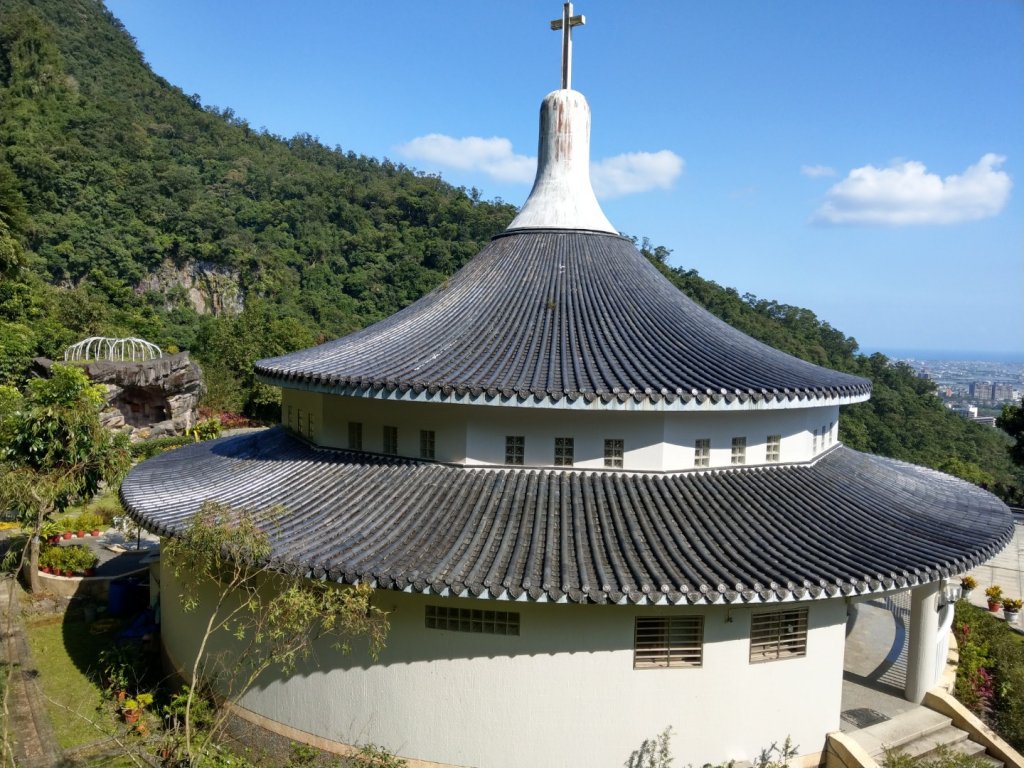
(562, 197)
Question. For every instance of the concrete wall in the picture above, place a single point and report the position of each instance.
(473, 435)
(562, 693)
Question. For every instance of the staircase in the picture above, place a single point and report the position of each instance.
(919, 733)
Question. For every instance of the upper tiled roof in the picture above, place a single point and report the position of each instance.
(848, 523)
(559, 316)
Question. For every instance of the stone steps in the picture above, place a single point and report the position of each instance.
(919, 733)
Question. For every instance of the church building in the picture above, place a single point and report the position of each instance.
(592, 509)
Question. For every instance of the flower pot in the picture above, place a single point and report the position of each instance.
(80, 534)
(90, 571)
(131, 715)
(965, 594)
(994, 605)
(54, 539)
(67, 534)
(68, 573)
(95, 531)
(1011, 616)
(44, 568)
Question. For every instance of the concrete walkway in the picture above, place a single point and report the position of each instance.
(875, 666)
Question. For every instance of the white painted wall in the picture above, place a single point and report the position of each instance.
(563, 693)
(470, 435)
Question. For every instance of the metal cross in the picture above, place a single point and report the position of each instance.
(566, 23)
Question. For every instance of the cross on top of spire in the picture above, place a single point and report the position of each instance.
(566, 23)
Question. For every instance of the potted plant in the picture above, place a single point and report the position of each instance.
(967, 584)
(131, 709)
(1011, 609)
(50, 531)
(995, 597)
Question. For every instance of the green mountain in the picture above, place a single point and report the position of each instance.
(128, 208)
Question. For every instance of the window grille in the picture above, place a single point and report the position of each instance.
(515, 449)
(426, 443)
(563, 451)
(778, 634)
(814, 447)
(472, 620)
(773, 448)
(613, 452)
(355, 435)
(288, 423)
(390, 440)
(702, 452)
(739, 450)
(297, 426)
(662, 642)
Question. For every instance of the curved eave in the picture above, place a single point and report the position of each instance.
(462, 394)
(848, 524)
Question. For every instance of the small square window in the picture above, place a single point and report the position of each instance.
(563, 451)
(702, 452)
(515, 449)
(778, 634)
(613, 452)
(773, 448)
(355, 435)
(390, 442)
(427, 444)
(739, 450)
(664, 642)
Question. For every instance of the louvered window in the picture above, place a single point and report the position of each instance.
(702, 452)
(564, 451)
(613, 451)
(662, 642)
(773, 448)
(472, 620)
(778, 634)
(814, 446)
(391, 440)
(426, 443)
(739, 450)
(355, 435)
(309, 425)
(515, 448)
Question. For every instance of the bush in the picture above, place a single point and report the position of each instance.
(146, 449)
(990, 677)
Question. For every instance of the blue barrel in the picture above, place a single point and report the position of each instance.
(118, 597)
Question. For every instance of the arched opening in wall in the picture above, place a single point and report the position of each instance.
(141, 407)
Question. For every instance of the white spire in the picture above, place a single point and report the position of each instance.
(562, 197)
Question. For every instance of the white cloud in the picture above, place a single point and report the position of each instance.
(905, 193)
(635, 172)
(814, 171)
(493, 156)
(624, 174)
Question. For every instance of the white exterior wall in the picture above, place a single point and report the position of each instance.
(562, 693)
(472, 435)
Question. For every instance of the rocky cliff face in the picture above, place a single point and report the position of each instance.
(210, 288)
(152, 398)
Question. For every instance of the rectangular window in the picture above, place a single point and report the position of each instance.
(563, 451)
(739, 450)
(702, 452)
(515, 449)
(288, 423)
(298, 421)
(355, 435)
(778, 634)
(663, 642)
(773, 448)
(390, 445)
(309, 425)
(426, 443)
(472, 620)
(831, 432)
(814, 445)
(613, 451)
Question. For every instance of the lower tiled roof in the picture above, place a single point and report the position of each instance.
(849, 523)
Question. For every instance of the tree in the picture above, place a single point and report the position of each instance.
(275, 618)
(54, 451)
(1011, 421)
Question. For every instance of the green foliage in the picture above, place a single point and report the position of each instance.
(1011, 421)
(990, 676)
(147, 449)
(372, 756)
(207, 429)
(653, 753)
(776, 755)
(944, 757)
(274, 619)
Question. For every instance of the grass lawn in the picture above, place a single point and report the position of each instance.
(63, 653)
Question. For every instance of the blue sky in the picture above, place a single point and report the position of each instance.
(863, 160)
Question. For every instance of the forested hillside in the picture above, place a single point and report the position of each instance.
(128, 208)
